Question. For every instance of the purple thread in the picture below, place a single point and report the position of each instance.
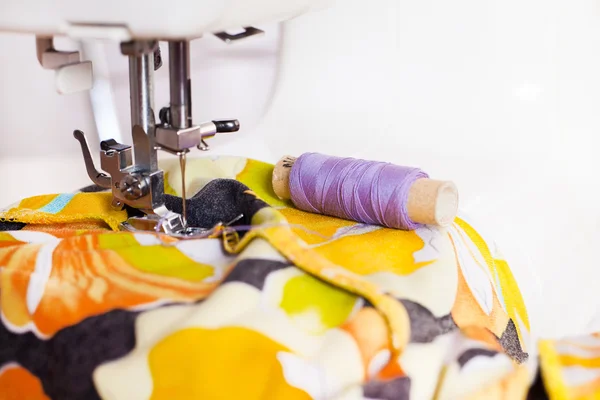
(364, 191)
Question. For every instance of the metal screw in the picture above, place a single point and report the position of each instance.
(116, 204)
(134, 187)
(165, 115)
(157, 58)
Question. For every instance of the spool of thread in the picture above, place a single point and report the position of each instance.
(365, 191)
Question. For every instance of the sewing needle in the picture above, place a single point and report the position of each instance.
(182, 162)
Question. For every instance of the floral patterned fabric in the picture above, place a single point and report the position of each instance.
(571, 367)
(301, 306)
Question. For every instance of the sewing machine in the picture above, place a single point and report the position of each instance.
(132, 172)
(488, 94)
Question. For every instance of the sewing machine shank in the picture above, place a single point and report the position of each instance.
(132, 173)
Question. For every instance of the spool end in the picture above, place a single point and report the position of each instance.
(433, 202)
(281, 177)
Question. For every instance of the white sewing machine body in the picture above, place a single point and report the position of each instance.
(490, 95)
(141, 19)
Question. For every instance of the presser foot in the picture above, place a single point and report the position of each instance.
(172, 227)
(156, 224)
(128, 186)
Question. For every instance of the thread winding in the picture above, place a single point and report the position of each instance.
(365, 191)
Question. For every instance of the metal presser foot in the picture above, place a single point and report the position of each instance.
(138, 182)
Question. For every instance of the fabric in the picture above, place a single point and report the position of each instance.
(571, 367)
(66, 208)
(301, 306)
